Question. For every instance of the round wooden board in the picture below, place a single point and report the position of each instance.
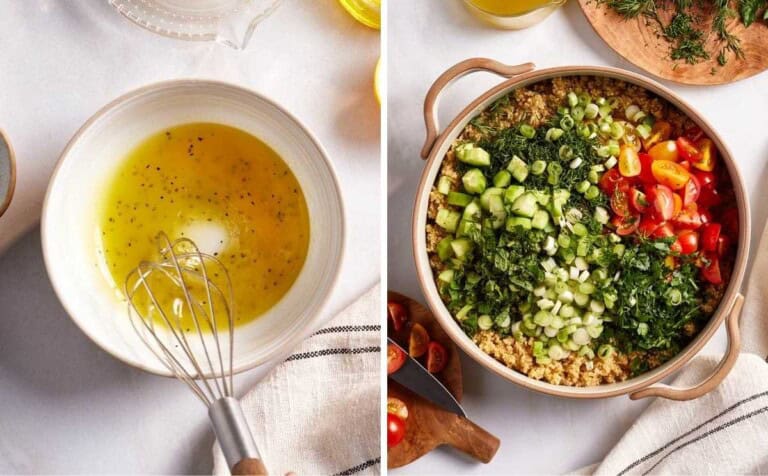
(638, 41)
(425, 421)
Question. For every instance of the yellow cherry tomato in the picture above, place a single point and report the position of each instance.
(629, 162)
(661, 131)
(707, 155)
(669, 173)
(665, 150)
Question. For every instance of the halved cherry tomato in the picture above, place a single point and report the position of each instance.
(689, 218)
(648, 225)
(687, 150)
(709, 236)
(661, 198)
(625, 225)
(665, 230)
(693, 133)
(678, 204)
(395, 358)
(397, 314)
(670, 174)
(711, 269)
(397, 407)
(710, 197)
(705, 216)
(437, 358)
(685, 164)
(395, 430)
(417, 344)
(609, 180)
(722, 245)
(691, 190)
(707, 155)
(689, 241)
(638, 200)
(706, 179)
(629, 162)
(666, 150)
(661, 131)
(646, 175)
(620, 202)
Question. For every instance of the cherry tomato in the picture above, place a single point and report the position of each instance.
(693, 133)
(646, 175)
(707, 155)
(685, 164)
(689, 218)
(670, 174)
(710, 197)
(687, 150)
(675, 247)
(691, 191)
(625, 225)
(397, 407)
(705, 215)
(417, 344)
(661, 198)
(638, 200)
(664, 230)
(609, 181)
(661, 131)
(711, 270)
(648, 225)
(666, 150)
(722, 245)
(709, 236)
(629, 162)
(395, 430)
(689, 241)
(678, 204)
(620, 203)
(706, 179)
(397, 315)
(437, 357)
(395, 358)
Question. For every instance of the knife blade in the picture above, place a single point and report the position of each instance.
(413, 376)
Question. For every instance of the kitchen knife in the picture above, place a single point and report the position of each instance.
(413, 376)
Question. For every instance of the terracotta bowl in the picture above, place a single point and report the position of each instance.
(434, 150)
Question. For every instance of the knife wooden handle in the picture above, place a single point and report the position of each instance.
(471, 439)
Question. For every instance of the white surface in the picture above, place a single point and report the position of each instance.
(66, 406)
(539, 434)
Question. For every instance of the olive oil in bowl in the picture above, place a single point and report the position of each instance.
(223, 188)
(513, 14)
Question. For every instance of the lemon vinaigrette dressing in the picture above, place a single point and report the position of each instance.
(223, 188)
(509, 7)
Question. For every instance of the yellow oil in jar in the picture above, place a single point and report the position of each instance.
(225, 189)
(509, 7)
(367, 12)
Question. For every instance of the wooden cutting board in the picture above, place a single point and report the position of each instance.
(429, 426)
(637, 40)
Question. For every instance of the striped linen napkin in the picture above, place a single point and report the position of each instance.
(725, 431)
(317, 413)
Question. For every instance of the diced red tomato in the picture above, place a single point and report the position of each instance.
(609, 180)
(417, 344)
(648, 225)
(670, 174)
(646, 174)
(397, 315)
(689, 241)
(694, 133)
(706, 179)
(711, 269)
(625, 225)
(687, 150)
(395, 358)
(705, 215)
(395, 430)
(689, 218)
(666, 150)
(691, 190)
(709, 197)
(709, 236)
(662, 201)
(437, 358)
(638, 200)
(620, 203)
(723, 243)
(707, 155)
(661, 131)
(629, 162)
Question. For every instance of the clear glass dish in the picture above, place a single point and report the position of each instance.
(518, 21)
(229, 22)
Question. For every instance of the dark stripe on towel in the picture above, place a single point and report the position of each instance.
(326, 352)
(359, 467)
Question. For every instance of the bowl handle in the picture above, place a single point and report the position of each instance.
(453, 73)
(722, 370)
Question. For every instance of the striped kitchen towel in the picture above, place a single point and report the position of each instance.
(317, 413)
(723, 432)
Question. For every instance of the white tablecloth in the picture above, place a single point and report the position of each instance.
(65, 405)
(539, 434)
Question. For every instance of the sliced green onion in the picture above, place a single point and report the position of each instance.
(611, 162)
(567, 123)
(631, 110)
(553, 134)
(565, 152)
(593, 177)
(575, 163)
(605, 350)
(591, 111)
(484, 322)
(617, 130)
(538, 167)
(554, 170)
(674, 297)
(527, 131)
(573, 99)
(643, 131)
(582, 186)
(584, 99)
(592, 192)
(577, 113)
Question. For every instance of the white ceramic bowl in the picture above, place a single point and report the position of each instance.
(70, 214)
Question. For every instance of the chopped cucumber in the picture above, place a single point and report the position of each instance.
(474, 181)
(446, 276)
(461, 246)
(514, 222)
(459, 199)
(502, 179)
(540, 220)
(472, 211)
(473, 155)
(512, 192)
(525, 205)
(518, 168)
(448, 219)
(444, 250)
(499, 214)
(559, 198)
(466, 227)
(464, 311)
(485, 198)
(444, 184)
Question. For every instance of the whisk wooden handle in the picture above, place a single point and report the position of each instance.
(249, 467)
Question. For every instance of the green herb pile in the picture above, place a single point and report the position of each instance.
(684, 33)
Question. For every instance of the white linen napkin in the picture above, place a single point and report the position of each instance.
(317, 413)
(725, 431)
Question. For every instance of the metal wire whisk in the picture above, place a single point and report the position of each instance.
(200, 355)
